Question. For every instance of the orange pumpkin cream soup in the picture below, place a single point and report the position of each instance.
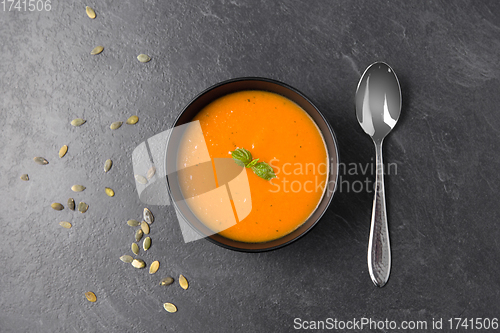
(281, 135)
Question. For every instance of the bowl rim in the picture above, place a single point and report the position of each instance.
(335, 143)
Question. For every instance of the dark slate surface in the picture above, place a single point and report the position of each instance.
(443, 202)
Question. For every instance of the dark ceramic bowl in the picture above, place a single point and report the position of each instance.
(255, 83)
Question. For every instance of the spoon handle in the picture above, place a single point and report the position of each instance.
(379, 248)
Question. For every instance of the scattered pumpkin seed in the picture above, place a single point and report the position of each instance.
(78, 122)
(154, 267)
(141, 179)
(183, 282)
(126, 258)
(82, 207)
(65, 224)
(90, 296)
(78, 188)
(170, 307)
(71, 204)
(138, 235)
(148, 216)
(63, 151)
(25, 177)
(138, 263)
(133, 223)
(57, 206)
(135, 248)
(143, 58)
(97, 50)
(166, 281)
(132, 120)
(109, 192)
(107, 165)
(40, 160)
(147, 243)
(116, 125)
(151, 172)
(145, 227)
(90, 12)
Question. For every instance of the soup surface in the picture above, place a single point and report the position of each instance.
(278, 132)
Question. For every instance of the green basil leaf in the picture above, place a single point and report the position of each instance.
(264, 170)
(242, 156)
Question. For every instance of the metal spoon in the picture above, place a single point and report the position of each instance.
(378, 106)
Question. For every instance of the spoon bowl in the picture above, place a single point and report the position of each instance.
(378, 106)
(378, 100)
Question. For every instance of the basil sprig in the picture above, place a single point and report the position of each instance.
(243, 158)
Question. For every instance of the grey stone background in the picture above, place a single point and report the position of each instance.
(442, 204)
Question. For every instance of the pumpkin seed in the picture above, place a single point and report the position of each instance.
(57, 206)
(109, 192)
(90, 12)
(25, 177)
(151, 172)
(166, 281)
(126, 258)
(154, 267)
(97, 50)
(78, 188)
(71, 204)
(138, 235)
(170, 307)
(63, 151)
(90, 296)
(138, 263)
(135, 248)
(141, 179)
(143, 58)
(78, 122)
(82, 207)
(132, 120)
(107, 165)
(65, 224)
(133, 223)
(148, 216)
(40, 160)
(147, 243)
(145, 227)
(116, 125)
(183, 282)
